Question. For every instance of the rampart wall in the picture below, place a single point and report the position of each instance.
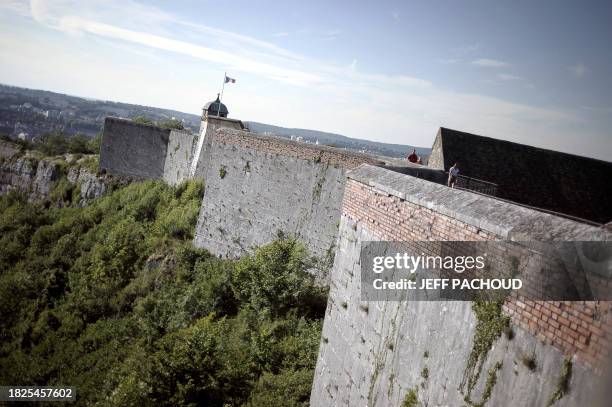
(560, 182)
(209, 126)
(258, 186)
(178, 156)
(137, 150)
(375, 353)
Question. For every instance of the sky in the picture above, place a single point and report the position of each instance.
(533, 72)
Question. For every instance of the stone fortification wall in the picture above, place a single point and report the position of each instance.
(560, 182)
(377, 353)
(178, 156)
(259, 186)
(137, 150)
(208, 127)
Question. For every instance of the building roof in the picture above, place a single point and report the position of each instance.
(547, 179)
(216, 108)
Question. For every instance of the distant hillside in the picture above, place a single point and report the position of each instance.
(35, 112)
(28, 113)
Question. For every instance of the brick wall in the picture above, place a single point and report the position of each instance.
(581, 329)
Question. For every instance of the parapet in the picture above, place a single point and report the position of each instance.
(506, 220)
(275, 145)
(225, 122)
(552, 180)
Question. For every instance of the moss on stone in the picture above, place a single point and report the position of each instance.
(562, 387)
(425, 373)
(489, 385)
(411, 398)
(491, 324)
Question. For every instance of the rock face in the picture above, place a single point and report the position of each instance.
(92, 186)
(38, 178)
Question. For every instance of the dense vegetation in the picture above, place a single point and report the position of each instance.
(57, 142)
(164, 124)
(114, 300)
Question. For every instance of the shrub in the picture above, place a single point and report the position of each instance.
(115, 300)
(276, 279)
(78, 144)
(290, 388)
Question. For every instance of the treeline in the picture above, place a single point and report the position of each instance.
(57, 143)
(114, 300)
(171, 124)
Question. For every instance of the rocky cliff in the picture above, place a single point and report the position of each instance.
(59, 181)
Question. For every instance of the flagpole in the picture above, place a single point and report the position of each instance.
(221, 98)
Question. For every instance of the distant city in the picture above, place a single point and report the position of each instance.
(27, 114)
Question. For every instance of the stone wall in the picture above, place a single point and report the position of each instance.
(178, 157)
(258, 186)
(560, 182)
(137, 150)
(374, 353)
(208, 127)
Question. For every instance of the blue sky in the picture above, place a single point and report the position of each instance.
(535, 72)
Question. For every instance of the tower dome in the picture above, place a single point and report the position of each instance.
(215, 108)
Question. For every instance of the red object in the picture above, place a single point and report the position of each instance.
(413, 158)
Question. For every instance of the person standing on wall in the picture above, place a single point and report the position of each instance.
(413, 157)
(453, 172)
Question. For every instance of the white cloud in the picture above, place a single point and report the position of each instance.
(509, 77)
(489, 63)
(579, 70)
(392, 108)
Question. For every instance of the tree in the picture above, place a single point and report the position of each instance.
(275, 280)
(142, 120)
(93, 146)
(171, 124)
(53, 143)
(78, 144)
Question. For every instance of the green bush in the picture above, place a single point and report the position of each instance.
(78, 144)
(290, 388)
(93, 145)
(57, 143)
(171, 124)
(114, 299)
(276, 279)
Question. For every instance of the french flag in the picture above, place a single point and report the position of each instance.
(229, 80)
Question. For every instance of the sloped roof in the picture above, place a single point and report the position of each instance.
(547, 179)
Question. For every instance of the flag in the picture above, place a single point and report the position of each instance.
(229, 80)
